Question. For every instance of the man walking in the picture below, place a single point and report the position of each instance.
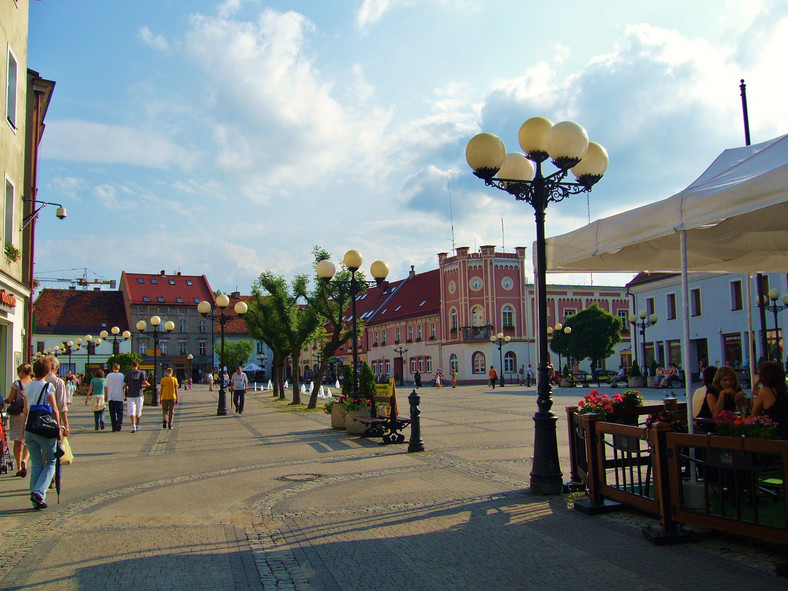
(168, 398)
(113, 388)
(529, 376)
(134, 383)
(493, 373)
(240, 384)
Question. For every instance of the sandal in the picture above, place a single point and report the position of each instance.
(22, 471)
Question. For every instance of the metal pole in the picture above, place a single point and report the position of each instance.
(154, 400)
(222, 408)
(759, 276)
(353, 288)
(500, 359)
(546, 471)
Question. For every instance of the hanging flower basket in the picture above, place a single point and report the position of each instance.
(11, 252)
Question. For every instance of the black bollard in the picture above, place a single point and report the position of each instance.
(416, 443)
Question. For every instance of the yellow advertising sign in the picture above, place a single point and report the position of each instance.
(385, 389)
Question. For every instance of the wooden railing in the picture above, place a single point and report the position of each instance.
(728, 484)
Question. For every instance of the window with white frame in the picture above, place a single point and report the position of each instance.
(429, 364)
(143, 347)
(383, 337)
(412, 366)
(509, 362)
(410, 333)
(670, 304)
(418, 332)
(375, 338)
(650, 306)
(202, 348)
(737, 302)
(507, 316)
(695, 302)
(12, 76)
(183, 347)
(624, 316)
(432, 330)
(260, 347)
(479, 363)
(477, 316)
(182, 325)
(569, 312)
(8, 229)
(454, 362)
(202, 325)
(388, 367)
(421, 363)
(397, 335)
(453, 319)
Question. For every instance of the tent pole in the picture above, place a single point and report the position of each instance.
(685, 337)
(750, 341)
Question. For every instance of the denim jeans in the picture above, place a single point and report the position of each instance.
(98, 418)
(116, 414)
(42, 462)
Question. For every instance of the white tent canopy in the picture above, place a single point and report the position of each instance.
(735, 216)
(251, 367)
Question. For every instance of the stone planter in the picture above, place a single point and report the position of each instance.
(337, 416)
(565, 383)
(635, 383)
(353, 427)
(652, 382)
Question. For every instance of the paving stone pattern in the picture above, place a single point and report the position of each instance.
(275, 499)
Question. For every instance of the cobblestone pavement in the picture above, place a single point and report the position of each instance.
(275, 499)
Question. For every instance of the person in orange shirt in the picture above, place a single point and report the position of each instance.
(493, 373)
(168, 396)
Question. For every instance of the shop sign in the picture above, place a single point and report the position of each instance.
(7, 301)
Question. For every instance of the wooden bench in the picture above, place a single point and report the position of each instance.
(388, 427)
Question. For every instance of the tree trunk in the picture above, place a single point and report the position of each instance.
(317, 380)
(296, 360)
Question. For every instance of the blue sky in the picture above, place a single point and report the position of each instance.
(228, 138)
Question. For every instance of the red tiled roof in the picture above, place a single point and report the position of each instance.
(172, 290)
(643, 277)
(68, 311)
(235, 326)
(419, 295)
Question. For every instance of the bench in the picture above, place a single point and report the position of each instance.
(388, 427)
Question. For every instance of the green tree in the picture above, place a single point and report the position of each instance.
(366, 382)
(594, 335)
(124, 360)
(330, 300)
(286, 309)
(263, 324)
(235, 353)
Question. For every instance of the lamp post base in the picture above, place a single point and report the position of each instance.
(546, 477)
(221, 409)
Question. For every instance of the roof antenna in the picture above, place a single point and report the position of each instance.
(451, 217)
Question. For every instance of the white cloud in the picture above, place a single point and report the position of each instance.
(87, 141)
(155, 41)
(108, 197)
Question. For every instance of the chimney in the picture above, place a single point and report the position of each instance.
(412, 273)
(161, 272)
(236, 295)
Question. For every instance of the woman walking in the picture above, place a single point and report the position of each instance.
(16, 418)
(42, 449)
(96, 396)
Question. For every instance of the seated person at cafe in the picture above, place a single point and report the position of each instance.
(668, 376)
(725, 393)
(700, 394)
(772, 399)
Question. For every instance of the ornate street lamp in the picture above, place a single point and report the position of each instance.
(205, 308)
(551, 331)
(642, 321)
(353, 259)
(500, 340)
(567, 145)
(774, 296)
(400, 351)
(115, 340)
(155, 322)
(90, 346)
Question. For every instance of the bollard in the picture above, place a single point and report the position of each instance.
(416, 443)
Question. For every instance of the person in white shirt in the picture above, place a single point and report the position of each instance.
(113, 389)
(240, 384)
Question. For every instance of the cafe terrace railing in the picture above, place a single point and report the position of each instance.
(738, 483)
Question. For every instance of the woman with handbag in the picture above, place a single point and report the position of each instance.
(96, 396)
(16, 418)
(42, 431)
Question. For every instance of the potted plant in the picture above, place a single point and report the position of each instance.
(565, 381)
(336, 409)
(361, 406)
(635, 376)
(12, 252)
(651, 379)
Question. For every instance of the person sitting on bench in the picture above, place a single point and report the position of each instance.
(670, 375)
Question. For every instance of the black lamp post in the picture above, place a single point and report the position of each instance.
(155, 322)
(190, 359)
(500, 340)
(399, 351)
(115, 340)
(774, 296)
(642, 321)
(90, 347)
(567, 145)
(551, 331)
(352, 260)
(204, 308)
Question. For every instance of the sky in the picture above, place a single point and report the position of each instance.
(228, 138)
